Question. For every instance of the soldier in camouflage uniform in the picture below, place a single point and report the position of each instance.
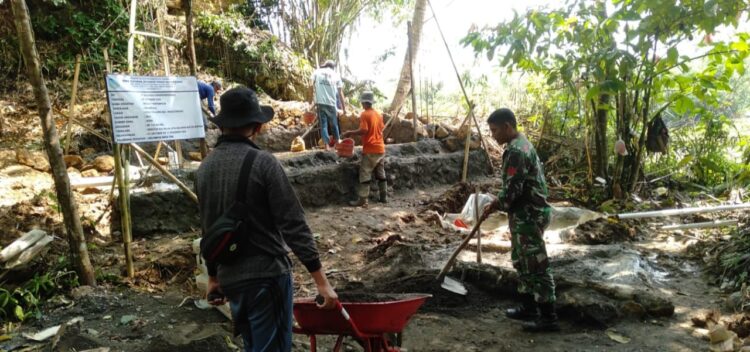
(524, 197)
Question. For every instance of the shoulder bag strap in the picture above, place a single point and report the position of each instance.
(247, 165)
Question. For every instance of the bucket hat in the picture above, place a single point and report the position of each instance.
(367, 97)
(240, 107)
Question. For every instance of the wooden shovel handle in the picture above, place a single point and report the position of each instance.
(463, 244)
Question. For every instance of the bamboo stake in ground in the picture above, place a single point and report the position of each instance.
(121, 169)
(122, 186)
(76, 240)
(72, 108)
(476, 221)
(166, 173)
(467, 146)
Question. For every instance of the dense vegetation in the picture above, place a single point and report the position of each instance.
(614, 68)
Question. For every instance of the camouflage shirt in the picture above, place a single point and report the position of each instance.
(523, 177)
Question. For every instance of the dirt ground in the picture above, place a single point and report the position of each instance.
(156, 310)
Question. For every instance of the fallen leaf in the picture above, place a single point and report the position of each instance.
(615, 336)
(127, 319)
(5, 338)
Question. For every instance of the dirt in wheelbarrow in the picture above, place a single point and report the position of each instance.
(442, 300)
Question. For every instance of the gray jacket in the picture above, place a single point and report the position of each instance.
(276, 216)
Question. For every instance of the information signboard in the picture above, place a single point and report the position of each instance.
(150, 109)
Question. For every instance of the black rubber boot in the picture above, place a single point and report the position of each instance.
(383, 188)
(526, 311)
(547, 320)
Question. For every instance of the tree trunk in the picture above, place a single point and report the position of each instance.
(78, 250)
(404, 83)
(600, 136)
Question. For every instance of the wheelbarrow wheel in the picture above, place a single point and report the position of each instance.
(394, 338)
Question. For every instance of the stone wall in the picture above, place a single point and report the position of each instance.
(319, 178)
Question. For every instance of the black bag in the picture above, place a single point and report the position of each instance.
(227, 238)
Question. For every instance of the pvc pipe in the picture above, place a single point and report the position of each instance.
(684, 211)
(700, 225)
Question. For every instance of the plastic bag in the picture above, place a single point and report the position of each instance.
(468, 212)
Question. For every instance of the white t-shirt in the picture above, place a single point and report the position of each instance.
(327, 83)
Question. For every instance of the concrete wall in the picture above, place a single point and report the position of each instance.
(319, 178)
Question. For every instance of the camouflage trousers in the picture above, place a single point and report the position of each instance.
(529, 253)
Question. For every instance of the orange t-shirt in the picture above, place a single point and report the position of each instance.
(372, 141)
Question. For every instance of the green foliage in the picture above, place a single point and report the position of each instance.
(66, 28)
(730, 259)
(23, 302)
(610, 58)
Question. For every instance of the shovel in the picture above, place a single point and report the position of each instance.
(448, 283)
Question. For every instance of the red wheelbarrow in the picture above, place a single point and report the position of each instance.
(370, 323)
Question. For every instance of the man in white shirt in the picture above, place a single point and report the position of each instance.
(327, 86)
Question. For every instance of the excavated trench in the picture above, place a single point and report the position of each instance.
(319, 178)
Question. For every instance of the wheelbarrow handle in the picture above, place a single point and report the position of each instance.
(345, 314)
(340, 307)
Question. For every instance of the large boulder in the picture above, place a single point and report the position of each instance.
(32, 159)
(251, 56)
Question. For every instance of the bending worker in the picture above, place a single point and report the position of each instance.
(373, 151)
(206, 91)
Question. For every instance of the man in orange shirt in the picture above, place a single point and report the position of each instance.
(373, 151)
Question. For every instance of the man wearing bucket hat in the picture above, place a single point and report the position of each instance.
(373, 151)
(257, 284)
(327, 87)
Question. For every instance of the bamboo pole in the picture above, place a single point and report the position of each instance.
(72, 107)
(131, 34)
(124, 212)
(79, 123)
(121, 164)
(467, 145)
(107, 64)
(166, 173)
(413, 86)
(476, 221)
(460, 82)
